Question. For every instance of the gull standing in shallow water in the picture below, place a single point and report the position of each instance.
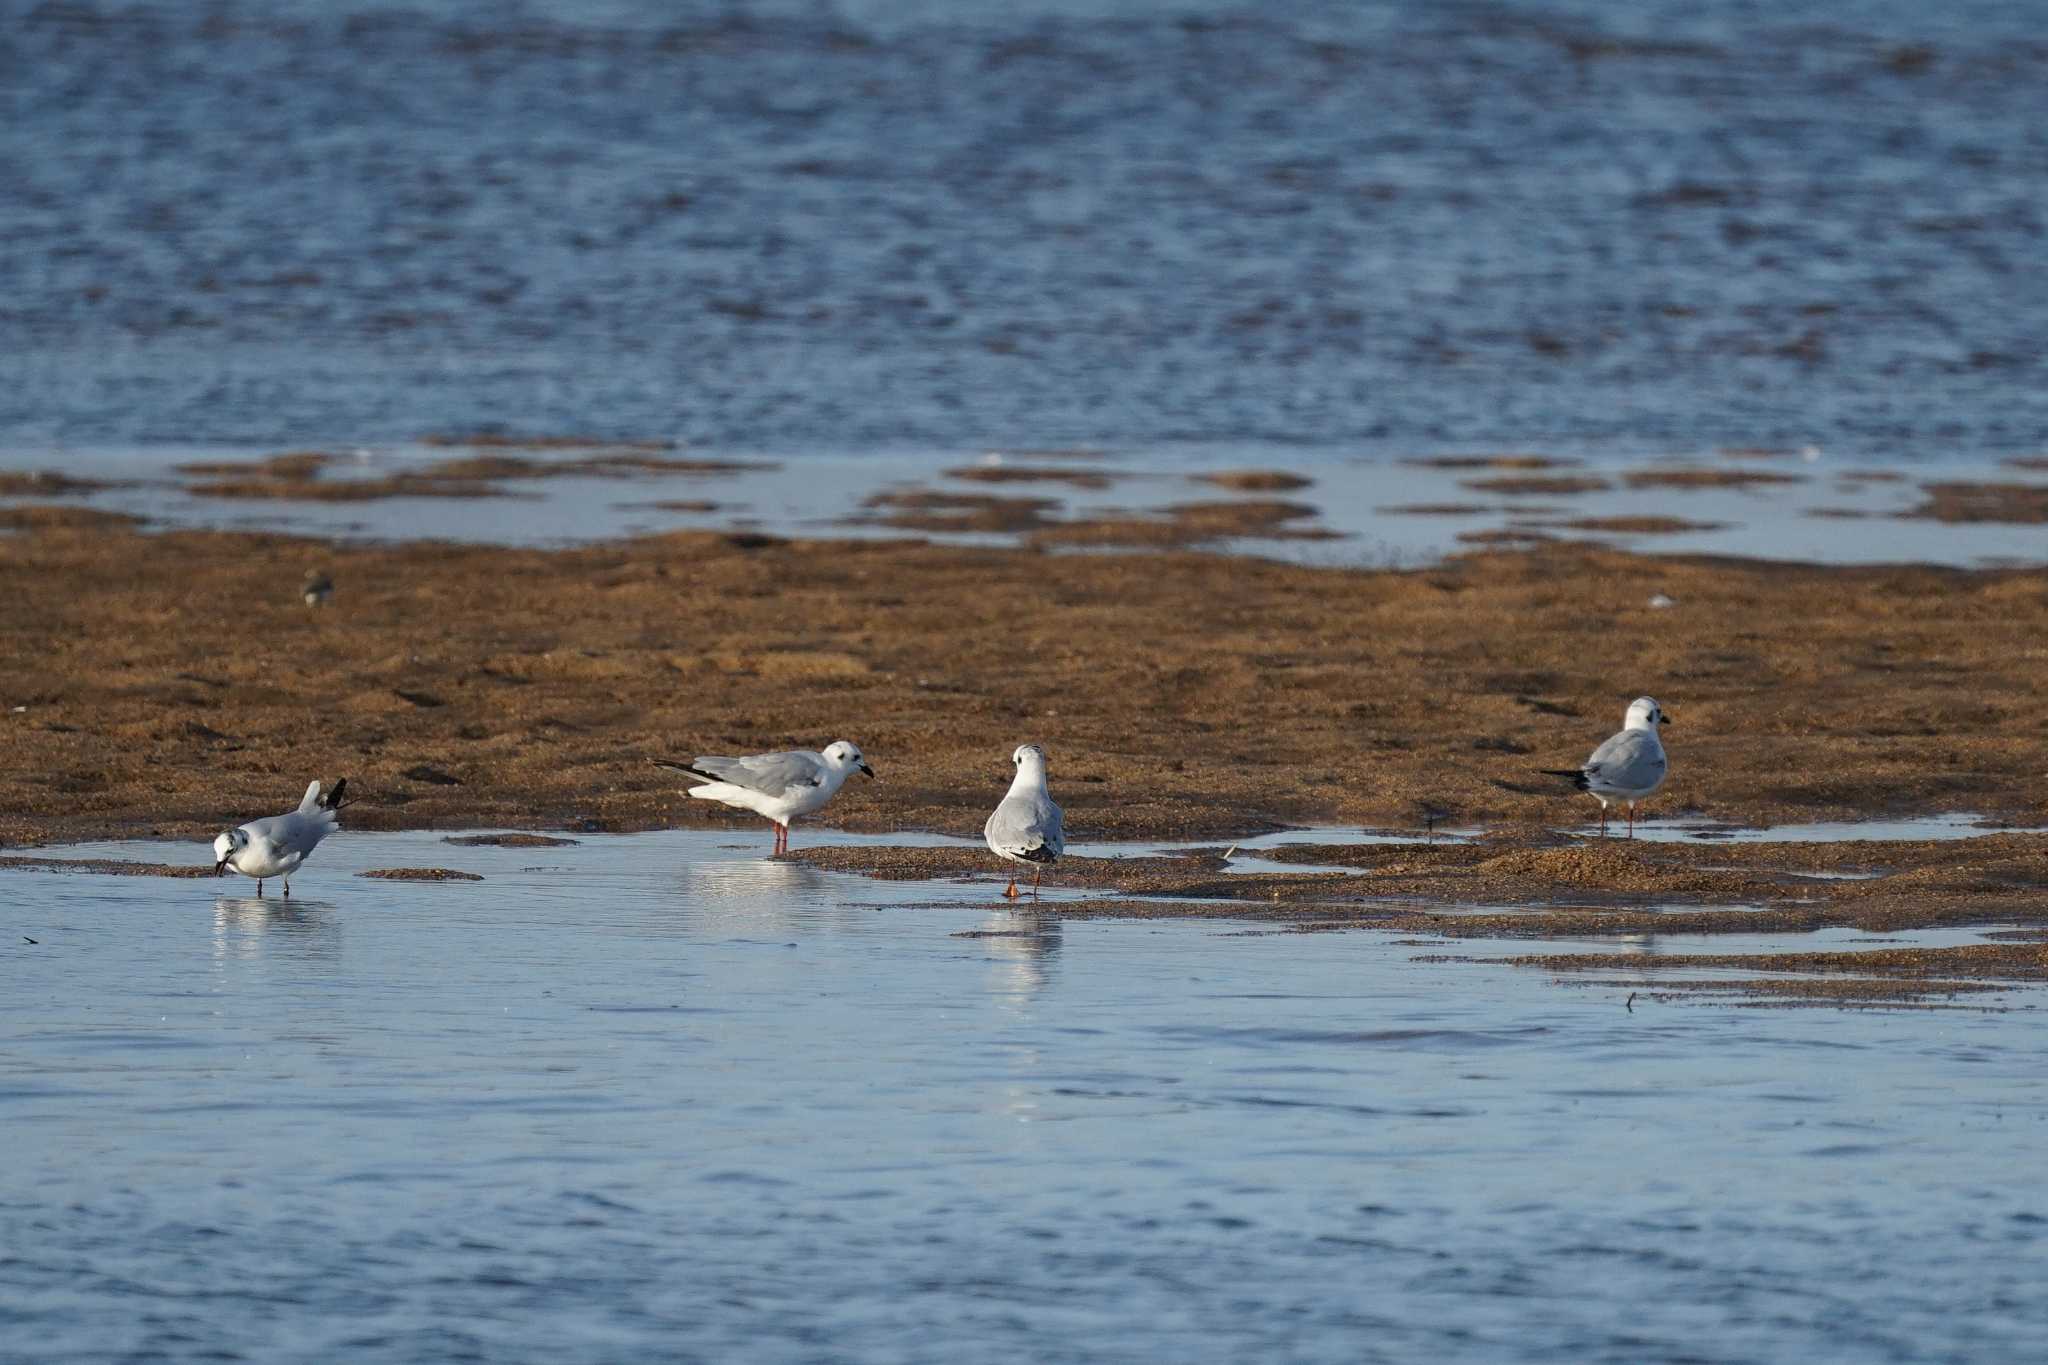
(1027, 827)
(779, 786)
(279, 845)
(1627, 766)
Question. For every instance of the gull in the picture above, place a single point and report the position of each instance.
(779, 786)
(318, 589)
(1628, 765)
(277, 846)
(1027, 827)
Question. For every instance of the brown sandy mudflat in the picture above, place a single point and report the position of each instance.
(1255, 480)
(1190, 523)
(1490, 462)
(1638, 525)
(2021, 503)
(491, 440)
(45, 483)
(1538, 484)
(1020, 473)
(1707, 478)
(297, 476)
(176, 683)
(668, 505)
(1506, 538)
(291, 465)
(36, 515)
(957, 513)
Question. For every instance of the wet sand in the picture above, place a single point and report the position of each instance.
(173, 683)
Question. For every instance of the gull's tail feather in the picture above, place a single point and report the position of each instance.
(311, 800)
(1575, 776)
(684, 768)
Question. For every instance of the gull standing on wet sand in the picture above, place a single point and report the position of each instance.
(1627, 766)
(778, 786)
(1027, 827)
(279, 845)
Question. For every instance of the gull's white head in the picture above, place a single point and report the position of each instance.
(843, 754)
(1028, 756)
(1645, 714)
(226, 845)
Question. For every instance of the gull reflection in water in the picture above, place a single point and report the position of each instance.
(1020, 947)
(750, 895)
(249, 927)
(1642, 945)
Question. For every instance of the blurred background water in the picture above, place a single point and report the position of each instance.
(874, 225)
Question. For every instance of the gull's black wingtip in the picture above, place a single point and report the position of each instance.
(682, 768)
(334, 800)
(1575, 776)
(1041, 854)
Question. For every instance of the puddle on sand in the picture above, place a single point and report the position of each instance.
(658, 1092)
(1244, 853)
(1907, 830)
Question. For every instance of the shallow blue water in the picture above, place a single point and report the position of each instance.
(650, 1097)
(776, 226)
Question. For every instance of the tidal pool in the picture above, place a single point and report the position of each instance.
(653, 1097)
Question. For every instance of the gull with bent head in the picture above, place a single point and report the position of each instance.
(280, 844)
(1027, 827)
(779, 786)
(1628, 765)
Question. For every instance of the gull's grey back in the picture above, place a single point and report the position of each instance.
(1632, 758)
(769, 774)
(1024, 823)
(297, 829)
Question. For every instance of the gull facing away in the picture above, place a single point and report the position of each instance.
(778, 786)
(1627, 766)
(279, 845)
(1027, 827)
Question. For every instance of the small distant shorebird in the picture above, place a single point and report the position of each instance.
(318, 589)
(279, 846)
(1027, 827)
(778, 786)
(1627, 766)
